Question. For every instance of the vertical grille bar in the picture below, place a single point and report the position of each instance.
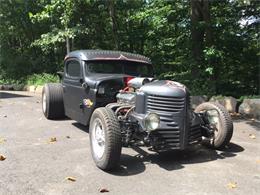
(171, 111)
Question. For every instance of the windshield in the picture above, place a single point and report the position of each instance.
(120, 67)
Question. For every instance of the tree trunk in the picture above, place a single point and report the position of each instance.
(67, 44)
(200, 12)
(197, 34)
(209, 43)
(114, 22)
(206, 18)
(72, 44)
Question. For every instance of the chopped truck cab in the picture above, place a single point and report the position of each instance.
(116, 94)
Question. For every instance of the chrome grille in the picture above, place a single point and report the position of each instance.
(170, 135)
(168, 138)
(165, 104)
(194, 134)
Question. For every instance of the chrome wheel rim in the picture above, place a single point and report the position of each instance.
(44, 103)
(98, 138)
(214, 121)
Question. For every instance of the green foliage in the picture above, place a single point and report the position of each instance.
(218, 97)
(9, 81)
(34, 79)
(41, 79)
(35, 35)
(248, 97)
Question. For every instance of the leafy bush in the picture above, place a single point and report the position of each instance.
(10, 81)
(41, 79)
(241, 99)
(217, 97)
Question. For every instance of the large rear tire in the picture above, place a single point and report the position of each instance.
(52, 101)
(220, 119)
(105, 138)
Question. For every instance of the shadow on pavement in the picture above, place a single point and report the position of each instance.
(4, 95)
(173, 160)
(254, 124)
(129, 165)
(81, 127)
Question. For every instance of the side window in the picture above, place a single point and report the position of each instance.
(73, 69)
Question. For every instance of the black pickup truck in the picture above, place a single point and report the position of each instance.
(116, 94)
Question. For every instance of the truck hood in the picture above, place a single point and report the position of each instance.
(93, 80)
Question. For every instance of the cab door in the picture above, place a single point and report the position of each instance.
(73, 91)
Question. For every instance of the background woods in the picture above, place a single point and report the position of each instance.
(211, 46)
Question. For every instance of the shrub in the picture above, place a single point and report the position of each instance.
(41, 79)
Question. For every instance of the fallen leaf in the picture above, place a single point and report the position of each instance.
(252, 136)
(2, 157)
(68, 136)
(2, 140)
(71, 178)
(232, 185)
(235, 114)
(103, 190)
(53, 139)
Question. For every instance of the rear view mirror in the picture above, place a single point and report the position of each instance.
(81, 80)
(60, 74)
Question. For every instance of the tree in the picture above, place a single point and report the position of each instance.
(208, 45)
(111, 5)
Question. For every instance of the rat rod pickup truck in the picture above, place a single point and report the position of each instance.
(116, 94)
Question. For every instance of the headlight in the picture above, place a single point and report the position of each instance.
(151, 121)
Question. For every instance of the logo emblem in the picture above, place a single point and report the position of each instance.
(174, 84)
(87, 102)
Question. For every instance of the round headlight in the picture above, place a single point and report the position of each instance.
(152, 121)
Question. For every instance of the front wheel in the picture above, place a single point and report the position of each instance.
(220, 120)
(105, 138)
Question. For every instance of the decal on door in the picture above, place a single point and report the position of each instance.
(87, 102)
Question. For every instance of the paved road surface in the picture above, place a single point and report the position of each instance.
(35, 166)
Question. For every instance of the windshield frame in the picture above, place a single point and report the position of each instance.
(89, 72)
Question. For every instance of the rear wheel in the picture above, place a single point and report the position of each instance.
(220, 120)
(52, 101)
(105, 138)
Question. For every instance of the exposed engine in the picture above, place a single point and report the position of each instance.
(157, 108)
(128, 95)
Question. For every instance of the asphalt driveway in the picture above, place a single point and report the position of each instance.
(37, 164)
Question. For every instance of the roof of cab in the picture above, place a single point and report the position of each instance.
(107, 55)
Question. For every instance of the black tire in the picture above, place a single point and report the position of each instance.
(112, 138)
(54, 108)
(225, 131)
